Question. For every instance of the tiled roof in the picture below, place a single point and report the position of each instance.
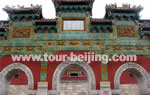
(22, 8)
(144, 26)
(144, 23)
(125, 7)
(46, 20)
(4, 26)
(74, 0)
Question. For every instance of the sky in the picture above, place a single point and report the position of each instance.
(98, 7)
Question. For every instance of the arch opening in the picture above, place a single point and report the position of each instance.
(73, 80)
(17, 79)
(87, 77)
(129, 72)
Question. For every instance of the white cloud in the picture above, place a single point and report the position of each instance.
(98, 8)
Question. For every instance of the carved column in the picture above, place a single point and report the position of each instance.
(105, 86)
(43, 84)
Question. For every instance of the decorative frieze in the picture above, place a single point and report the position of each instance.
(107, 47)
(8, 49)
(30, 48)
(148, 47)
(116, 47)
(139, 47)
(129, 47)
(74, 43)
(60, 43)
(50, 43)
(18, 48)
(90, 45)
(86, 43)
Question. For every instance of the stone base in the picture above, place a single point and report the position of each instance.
(42, 88)
(129, 89)
(17, 90)
(74, 88)
(105, 88)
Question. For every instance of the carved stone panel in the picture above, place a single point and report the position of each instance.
(21, 32)
(126, 31)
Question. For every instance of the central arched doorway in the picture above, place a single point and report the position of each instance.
(135, 71)
(14, 72)
(74, 81)
(81, 79)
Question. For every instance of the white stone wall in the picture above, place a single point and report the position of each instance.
(74, 89)
(18, 90)
(129, 89)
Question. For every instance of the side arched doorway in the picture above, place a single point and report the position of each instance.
(11, 71)
(83, 67)
(138, 72)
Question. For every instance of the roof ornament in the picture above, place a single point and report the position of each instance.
(7, 6)
(18, 6)
(134, 6)
(22, 7)
(139, 6)
(111, 5)
(125, 5)
(13, 7)
(32, 5)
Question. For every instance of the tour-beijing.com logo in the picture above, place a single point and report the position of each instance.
(87, 57)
